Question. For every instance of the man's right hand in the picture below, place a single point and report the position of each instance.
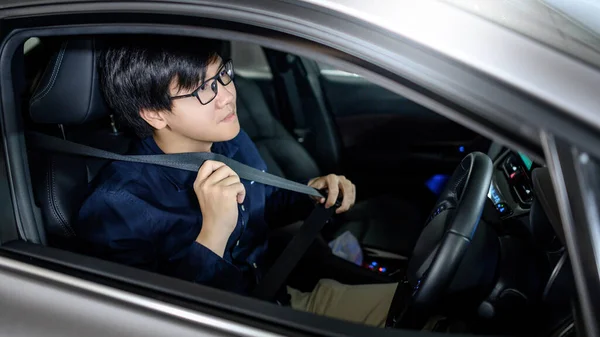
(219, 191)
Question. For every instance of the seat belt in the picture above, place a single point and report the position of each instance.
(276, 276)
(184, 161)
(288, 77)
(285, 263)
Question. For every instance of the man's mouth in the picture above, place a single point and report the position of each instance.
(229, 118)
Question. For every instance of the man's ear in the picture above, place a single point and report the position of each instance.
(154, 118)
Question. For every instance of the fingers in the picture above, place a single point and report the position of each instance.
(318, 183)
(239, 190)
(213, 173)
(336, 186)
(220, 174)
(231, 180)
(207, 168)
(349, 192)
(333, 190)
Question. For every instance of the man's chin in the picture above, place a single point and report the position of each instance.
(232, 131)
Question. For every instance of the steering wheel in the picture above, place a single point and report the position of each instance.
(443, 242)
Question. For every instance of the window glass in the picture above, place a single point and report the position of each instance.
(30, 44)
(250, 60)
(329, 70)
(379, 132)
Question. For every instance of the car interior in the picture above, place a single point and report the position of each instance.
(309, 119)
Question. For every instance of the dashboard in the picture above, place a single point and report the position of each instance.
(511, 189)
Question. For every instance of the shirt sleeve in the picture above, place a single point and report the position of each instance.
(284, 207)
(202, 265)
(124, 228)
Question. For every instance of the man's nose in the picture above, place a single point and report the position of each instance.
(224, 95)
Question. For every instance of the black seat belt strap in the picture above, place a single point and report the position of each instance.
(288, 77)
(275, 278)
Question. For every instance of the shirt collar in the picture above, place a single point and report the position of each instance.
(183, 179)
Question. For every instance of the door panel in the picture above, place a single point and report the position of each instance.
(46, 303)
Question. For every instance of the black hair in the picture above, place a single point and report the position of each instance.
(136, 73)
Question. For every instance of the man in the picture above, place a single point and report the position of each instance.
(178, 95)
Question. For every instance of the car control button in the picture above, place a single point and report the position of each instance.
(503, 209)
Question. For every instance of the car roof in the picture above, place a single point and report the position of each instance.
(565, 25)
(569, 26)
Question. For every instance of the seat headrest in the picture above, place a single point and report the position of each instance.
(69, 90)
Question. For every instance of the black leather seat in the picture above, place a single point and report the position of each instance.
(68, 95)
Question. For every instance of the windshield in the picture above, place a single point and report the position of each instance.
(563, 24)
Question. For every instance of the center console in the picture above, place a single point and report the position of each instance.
(523, 265)
(511, 189)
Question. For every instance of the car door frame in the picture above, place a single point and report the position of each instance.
(576, 179)
(464, 112)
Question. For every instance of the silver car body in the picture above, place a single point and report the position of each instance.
(529, 90)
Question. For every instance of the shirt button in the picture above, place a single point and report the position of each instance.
(237, 243)
(243, 208)
(254, 265)
(252, 182)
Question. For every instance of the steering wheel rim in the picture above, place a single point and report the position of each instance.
(444, 240)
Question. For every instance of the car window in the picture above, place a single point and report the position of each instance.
(30, 44)
(328, 70)
(381, 133)
(250, 60)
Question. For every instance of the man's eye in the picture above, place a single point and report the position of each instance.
(202, 87)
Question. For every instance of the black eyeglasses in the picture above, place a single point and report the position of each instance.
(207, 91)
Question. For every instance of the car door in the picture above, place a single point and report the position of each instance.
(51, 292)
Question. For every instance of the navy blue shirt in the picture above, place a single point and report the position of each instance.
(148, 216)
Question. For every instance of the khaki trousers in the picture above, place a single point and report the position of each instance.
(367, 304)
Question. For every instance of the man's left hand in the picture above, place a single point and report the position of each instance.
(336, 186)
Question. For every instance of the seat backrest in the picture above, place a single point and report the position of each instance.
(69, 95)
(284, 156)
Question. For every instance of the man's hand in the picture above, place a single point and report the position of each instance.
(219, 191)
(336, 185)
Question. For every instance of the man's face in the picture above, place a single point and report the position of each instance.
(214, 122)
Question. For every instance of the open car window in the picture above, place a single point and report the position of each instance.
(376, 252)
(299, 122)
